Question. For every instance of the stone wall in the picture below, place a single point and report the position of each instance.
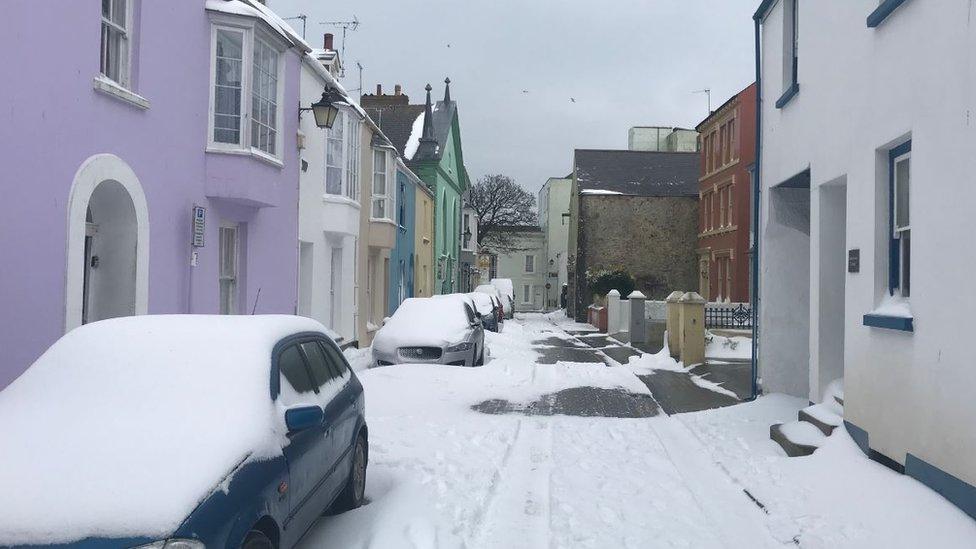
(653, 238)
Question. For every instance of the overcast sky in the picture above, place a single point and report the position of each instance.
(515, 65)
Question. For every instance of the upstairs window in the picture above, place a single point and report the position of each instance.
(115, 41)
(899, 166)
(466, 234)
(246, 92)
(382, 189)
(334, 151)
(352, 158)
(791, 48)
(529, 264)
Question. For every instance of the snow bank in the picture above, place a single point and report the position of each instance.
(721, 348)
(124, 425)
(359, 359)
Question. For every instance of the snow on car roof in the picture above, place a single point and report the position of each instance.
(483, 302)
(123, 426)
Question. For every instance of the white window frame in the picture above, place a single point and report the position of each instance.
(125, 53)
(233, 306)
(531, 292)
(251, 32)
(902, 234)
(340, 122)
(529, 264)
(353, 157)
(387, 198)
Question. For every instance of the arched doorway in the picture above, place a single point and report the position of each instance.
(108, 243)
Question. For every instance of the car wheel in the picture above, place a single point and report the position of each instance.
(257, 539)
(353, 494)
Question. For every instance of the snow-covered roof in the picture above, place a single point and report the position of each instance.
(257, 10)
(123, 426)
(416, 131)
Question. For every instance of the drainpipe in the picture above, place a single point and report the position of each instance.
(756, 187)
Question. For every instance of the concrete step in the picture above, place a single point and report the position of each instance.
(822, 417)
(797, 438)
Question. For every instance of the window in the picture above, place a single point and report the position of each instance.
(466, 234)
(526, 293)
(115, 41)
(728, 192)
(229, 264)
(293, 376)
(336, 362)
(382, 196)
(317, 364)
(899, 167)
(721, 206)
(264, 98)
(790, 52)
(530, 263)
(246, 92)
(352, 158)
(334, 149)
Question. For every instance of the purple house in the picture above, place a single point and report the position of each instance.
(150, 165)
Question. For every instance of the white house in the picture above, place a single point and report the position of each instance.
(329, 205)
(522, 260)
(554, 220)
(868, 150)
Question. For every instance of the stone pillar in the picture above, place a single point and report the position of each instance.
(672, 324)
(613, 312)
(692, 321)
(638, 326)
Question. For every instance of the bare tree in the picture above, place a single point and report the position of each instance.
(501, 203)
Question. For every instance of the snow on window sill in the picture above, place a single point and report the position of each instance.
(259, 155)
(340, 199)
(104, 84)
(382, 220)
(894, 313)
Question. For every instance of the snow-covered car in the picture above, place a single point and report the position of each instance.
(486, 306)
(507, 289)
(440, 330)
(181, 432)
(497, 297)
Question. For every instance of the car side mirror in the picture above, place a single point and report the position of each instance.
(303, 417)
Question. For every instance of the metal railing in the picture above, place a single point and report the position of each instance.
(728, 315)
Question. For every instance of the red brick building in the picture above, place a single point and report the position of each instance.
(728, 151)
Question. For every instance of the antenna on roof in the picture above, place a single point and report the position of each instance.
(708, 92)
(301, 16)
(345, 26)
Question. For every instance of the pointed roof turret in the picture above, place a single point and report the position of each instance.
(447, 90)
(428, 145)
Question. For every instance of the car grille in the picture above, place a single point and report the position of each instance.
(420, 353)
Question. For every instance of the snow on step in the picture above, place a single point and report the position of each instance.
(823, 416)
(802, 433)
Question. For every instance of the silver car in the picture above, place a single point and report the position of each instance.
(439, 330)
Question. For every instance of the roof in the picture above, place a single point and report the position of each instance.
(720, 111)
(257, 10)
(397, 123)
(518, 229)
(637, 173)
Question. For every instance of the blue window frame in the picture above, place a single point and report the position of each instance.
(884, 9)
(899, 243)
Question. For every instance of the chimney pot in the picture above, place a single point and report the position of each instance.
(379, 89)
(397, 89)
(328, 40)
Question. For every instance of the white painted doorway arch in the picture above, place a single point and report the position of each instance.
(107, 198)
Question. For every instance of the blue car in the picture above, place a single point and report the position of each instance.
(182, 432)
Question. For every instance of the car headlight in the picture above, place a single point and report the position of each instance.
(466, 346)
(174, 544)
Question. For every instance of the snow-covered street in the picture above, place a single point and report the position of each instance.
(442, 474)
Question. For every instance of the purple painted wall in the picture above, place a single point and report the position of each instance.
(52, 120)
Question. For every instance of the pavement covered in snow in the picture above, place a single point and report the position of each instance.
(540, 470)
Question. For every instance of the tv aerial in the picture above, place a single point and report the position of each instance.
(345, 26)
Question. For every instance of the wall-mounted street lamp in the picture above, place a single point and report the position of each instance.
(325, 110)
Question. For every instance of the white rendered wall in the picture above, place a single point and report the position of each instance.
(863, 91)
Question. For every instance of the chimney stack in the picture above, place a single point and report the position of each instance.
(328, 41)
(397, 89)
(381, 100)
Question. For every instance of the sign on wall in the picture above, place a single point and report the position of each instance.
(199, 225)
(854, 261)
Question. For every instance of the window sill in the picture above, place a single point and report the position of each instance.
(340, 199)
(900, 323)
(263, 157)
(788, 95)
(382, 220)
(103, 84)
(882, 12)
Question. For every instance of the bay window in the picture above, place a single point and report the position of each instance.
(334, 149)
(246, 91)
(382, 189)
